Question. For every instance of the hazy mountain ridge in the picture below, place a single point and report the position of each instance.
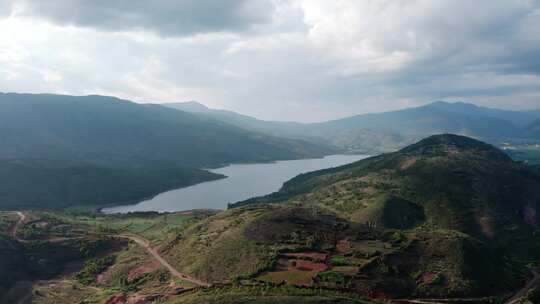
(108, 130)
(388, 131)
(282, 128)
(429, 119)
(534, 128)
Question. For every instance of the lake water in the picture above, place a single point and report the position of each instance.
(243, 181)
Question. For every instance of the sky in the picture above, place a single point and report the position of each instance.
(302, 60)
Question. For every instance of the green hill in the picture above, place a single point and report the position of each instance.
(110, 131)
(459, 183)
(449, 216)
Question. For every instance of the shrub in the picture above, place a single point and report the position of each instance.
(338, 261)
(92, 268)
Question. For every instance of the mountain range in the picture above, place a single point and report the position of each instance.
(111, 131)
(47, 140)
(387, 131)
(57, 150)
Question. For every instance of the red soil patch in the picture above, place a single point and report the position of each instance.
(428, 277)
(316, 256)
(343, 246)
(302, 265)
(380, 295)
(145, 268)
(310, 266)
(117, 299)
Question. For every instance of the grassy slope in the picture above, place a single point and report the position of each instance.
(463, 205)
(266, 295)
(456, 235)
(59, 264)
(133, 274)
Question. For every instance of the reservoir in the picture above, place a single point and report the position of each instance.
(243, 181)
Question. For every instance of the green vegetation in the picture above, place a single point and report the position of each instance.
(92, 268)
(448, 217)
(156, 227)
(444, 209)
(34, 184)
(338, 261)
(332, 277)
(266, 294)
(76, 262)
(13, 265)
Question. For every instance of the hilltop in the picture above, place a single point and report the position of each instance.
(457, 182)
(449, 216)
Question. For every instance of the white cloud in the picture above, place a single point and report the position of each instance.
(307, 60)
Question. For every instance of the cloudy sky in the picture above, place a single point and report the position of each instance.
(306, 60)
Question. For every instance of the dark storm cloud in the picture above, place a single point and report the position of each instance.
(164, 17)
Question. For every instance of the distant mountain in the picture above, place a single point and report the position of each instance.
(456, 209)
(110, 131)
(387, 131)
(534, 128)
(438, 117)
(280, 128)
(191, 106)
(518, 118)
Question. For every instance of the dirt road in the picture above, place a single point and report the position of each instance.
(146, 244)
(15, 228)
(534, 281)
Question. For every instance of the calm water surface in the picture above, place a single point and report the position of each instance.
(243, 181)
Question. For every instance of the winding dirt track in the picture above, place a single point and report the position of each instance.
(146, 245)
(136, 238)
(535, 281)
(13, 230)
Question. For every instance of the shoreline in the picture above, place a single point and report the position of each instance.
(102, 209)
(149, 197)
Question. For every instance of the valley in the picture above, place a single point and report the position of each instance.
(420, 225)
(269, 152)
(233, 209)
